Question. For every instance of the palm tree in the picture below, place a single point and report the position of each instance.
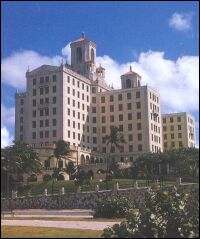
(114, 139)
(61, 151)
(19, 158)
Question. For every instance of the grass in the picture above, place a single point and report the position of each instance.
(43, 232)
(38, 188)
(65, 219)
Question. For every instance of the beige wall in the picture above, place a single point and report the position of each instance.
(176, 130)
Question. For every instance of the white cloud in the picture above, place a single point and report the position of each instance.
(7, 116)
(181, 22)
(66, 51)
(176, 81)
(6, 138)
(14, 67)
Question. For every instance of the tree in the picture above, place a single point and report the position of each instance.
(19, 158)
(173, 214)
(70, 169)
(61, 151)
(114, 139)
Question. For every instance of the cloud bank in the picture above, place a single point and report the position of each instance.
(177, 81)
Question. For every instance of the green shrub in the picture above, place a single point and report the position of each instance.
(172, 214)
(113, 207)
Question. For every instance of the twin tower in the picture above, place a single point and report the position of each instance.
(83, 61)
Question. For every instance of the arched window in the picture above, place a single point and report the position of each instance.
(128, 83)
(87, 159)
(82, 159)
(92, 55)
(101, 160)
(79, 55)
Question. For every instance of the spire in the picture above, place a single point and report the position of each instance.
(130, 68)
(83, 34)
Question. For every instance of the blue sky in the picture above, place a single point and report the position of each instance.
(141, 33)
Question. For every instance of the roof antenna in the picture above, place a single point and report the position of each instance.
(28, 69)
(130, 68)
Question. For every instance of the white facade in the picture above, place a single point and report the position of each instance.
(75, 104)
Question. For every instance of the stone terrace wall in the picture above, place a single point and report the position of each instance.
(82, 200)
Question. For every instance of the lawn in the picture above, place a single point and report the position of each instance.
(43, 232)
(38, 188)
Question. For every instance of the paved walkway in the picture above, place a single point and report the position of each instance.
(59, 224)
(53, 213)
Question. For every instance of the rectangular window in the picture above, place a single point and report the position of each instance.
(139, 127)
(83, 86)
(74, 136)
(73, 103)
(171, 127)
(34, 113)
(74, 114)
(165, 136)
(54, 78)
(21, 111)
(137, 94)
(112, 118)
(21, 128)
(94, 130)
(79, 136)
(34, 135)
(73, 92)
(46, 100)
(111, 108)
(54, 89)
(120, 107)
(68, 90)
(46, 134)
(129, 106)
(34, 81)
(130, 127)
(179, 135)
(46, 112)
(121, 127)
(83, 107)
(139, 147)
(78, 94)
(94, 140)
(68, 121)
(129, 96)
(180, 144)
(103, 119)
(179, 119)
(93, 109)
(179, 127)
(138, 115)
(164, 120)
(172, 144)
(68, 133)
(41, 80)
(129, 116)
(165, 145)
(34, 102)
(41, 134)
(120, 117)
(21, 101)
(54, 111)
(41, 112)
(103, 109)
(139, 137)
(93, 99)
(46, 90)
(34, 92)
(54, 100)
(46, 123)
(103, 129)
(130, 148)
(54, 133)
(78, 84)
(164, 128)
(74, 124)
(171, 120)
(103, 99)
(73, 81)
(138, 105)
(120, 97)
(94, 120)
(111, 98)
(93, 90)
(33, 124)
(130, 137)
(54, 122)
(47, 79)
(41, 123)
